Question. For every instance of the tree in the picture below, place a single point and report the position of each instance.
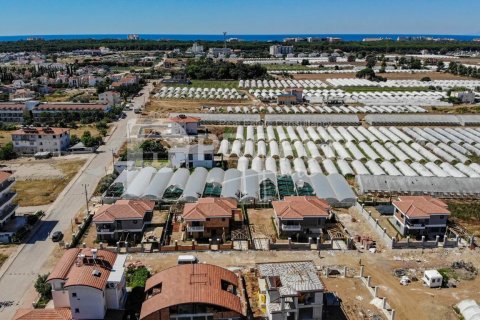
(426, 79)
(7, 152)
(371, 61)
(351, 58)
(305, 62)
(43, 288)
(440, 65)
(366, 73)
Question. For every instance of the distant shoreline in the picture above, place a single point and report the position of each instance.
(249, 37)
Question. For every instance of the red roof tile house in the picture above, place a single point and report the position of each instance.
(304, 215)
(184, 125)
(210, 217)
(85, 284)
(421, 216)
(124, 220)
(194, 291)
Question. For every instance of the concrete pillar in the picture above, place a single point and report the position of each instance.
(423, 241)
(437, 239)
(375, 291)
(327, 271)
(176, 245)
(457, 239)
(472, 240)
(193, 244)
(361, 271)
(376, 222)
(384, 303)
(345, 271)
(289, 242)
(369, 213)
(368, 281)
(100, 245)
(118, 245)
(392, 315)
(309, 240)
(408, 241)
(384, 231)
(84, 245)
(318, 243)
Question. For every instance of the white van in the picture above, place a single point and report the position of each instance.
(187, 259)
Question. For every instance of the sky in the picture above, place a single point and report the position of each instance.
(50, 17)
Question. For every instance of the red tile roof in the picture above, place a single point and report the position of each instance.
(192, 283)
(184, 119)
(4, 175)
(43, 314)
(421, 206)
(71, 106)
(301, 207)
(76, 267)
(209, 208)
(123, 209)
(12, 106)
(40, 131)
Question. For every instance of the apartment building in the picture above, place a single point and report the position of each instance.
(421, 216)
(7, 205)
(12, 112)
(277, 50)
(31, 140)
(110, 98)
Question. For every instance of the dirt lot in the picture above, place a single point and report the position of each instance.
(163, 107)
(261, 222)
(390, 76)
(39, 182)
(357, 301)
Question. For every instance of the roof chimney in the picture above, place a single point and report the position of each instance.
(94, 253)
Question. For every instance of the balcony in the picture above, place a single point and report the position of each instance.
(105, 229)
(7, 212)
(291, 227)
(411, 225)
(7, 199)
(195, 229)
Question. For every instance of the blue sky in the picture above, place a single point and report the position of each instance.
(20, 17)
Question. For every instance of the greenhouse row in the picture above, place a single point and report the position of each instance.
(318, 109)
(247, 186)
(433, 119)
(447, 187)
(349, 168)
(355, 143)
(287, 83)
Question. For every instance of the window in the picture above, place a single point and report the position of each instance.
(135, 221)
(54, 136)
(74, 294)
(77, 310)
(223, 219)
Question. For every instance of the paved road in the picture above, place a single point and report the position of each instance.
(19, 276)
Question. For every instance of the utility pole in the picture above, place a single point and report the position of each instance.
(86, 197)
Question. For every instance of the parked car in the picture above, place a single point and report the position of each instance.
(57, 236)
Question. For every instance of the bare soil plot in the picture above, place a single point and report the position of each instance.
(163, 107)
(355, 297)
(39, 183)
(5, 137)
(261, 222)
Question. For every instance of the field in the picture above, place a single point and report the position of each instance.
(163, 107)
(81, 129)
(210, 84)
(5, 137)
(467, 214)
(391, 76)
(40, 182)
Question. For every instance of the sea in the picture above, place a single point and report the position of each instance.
(241, 37)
